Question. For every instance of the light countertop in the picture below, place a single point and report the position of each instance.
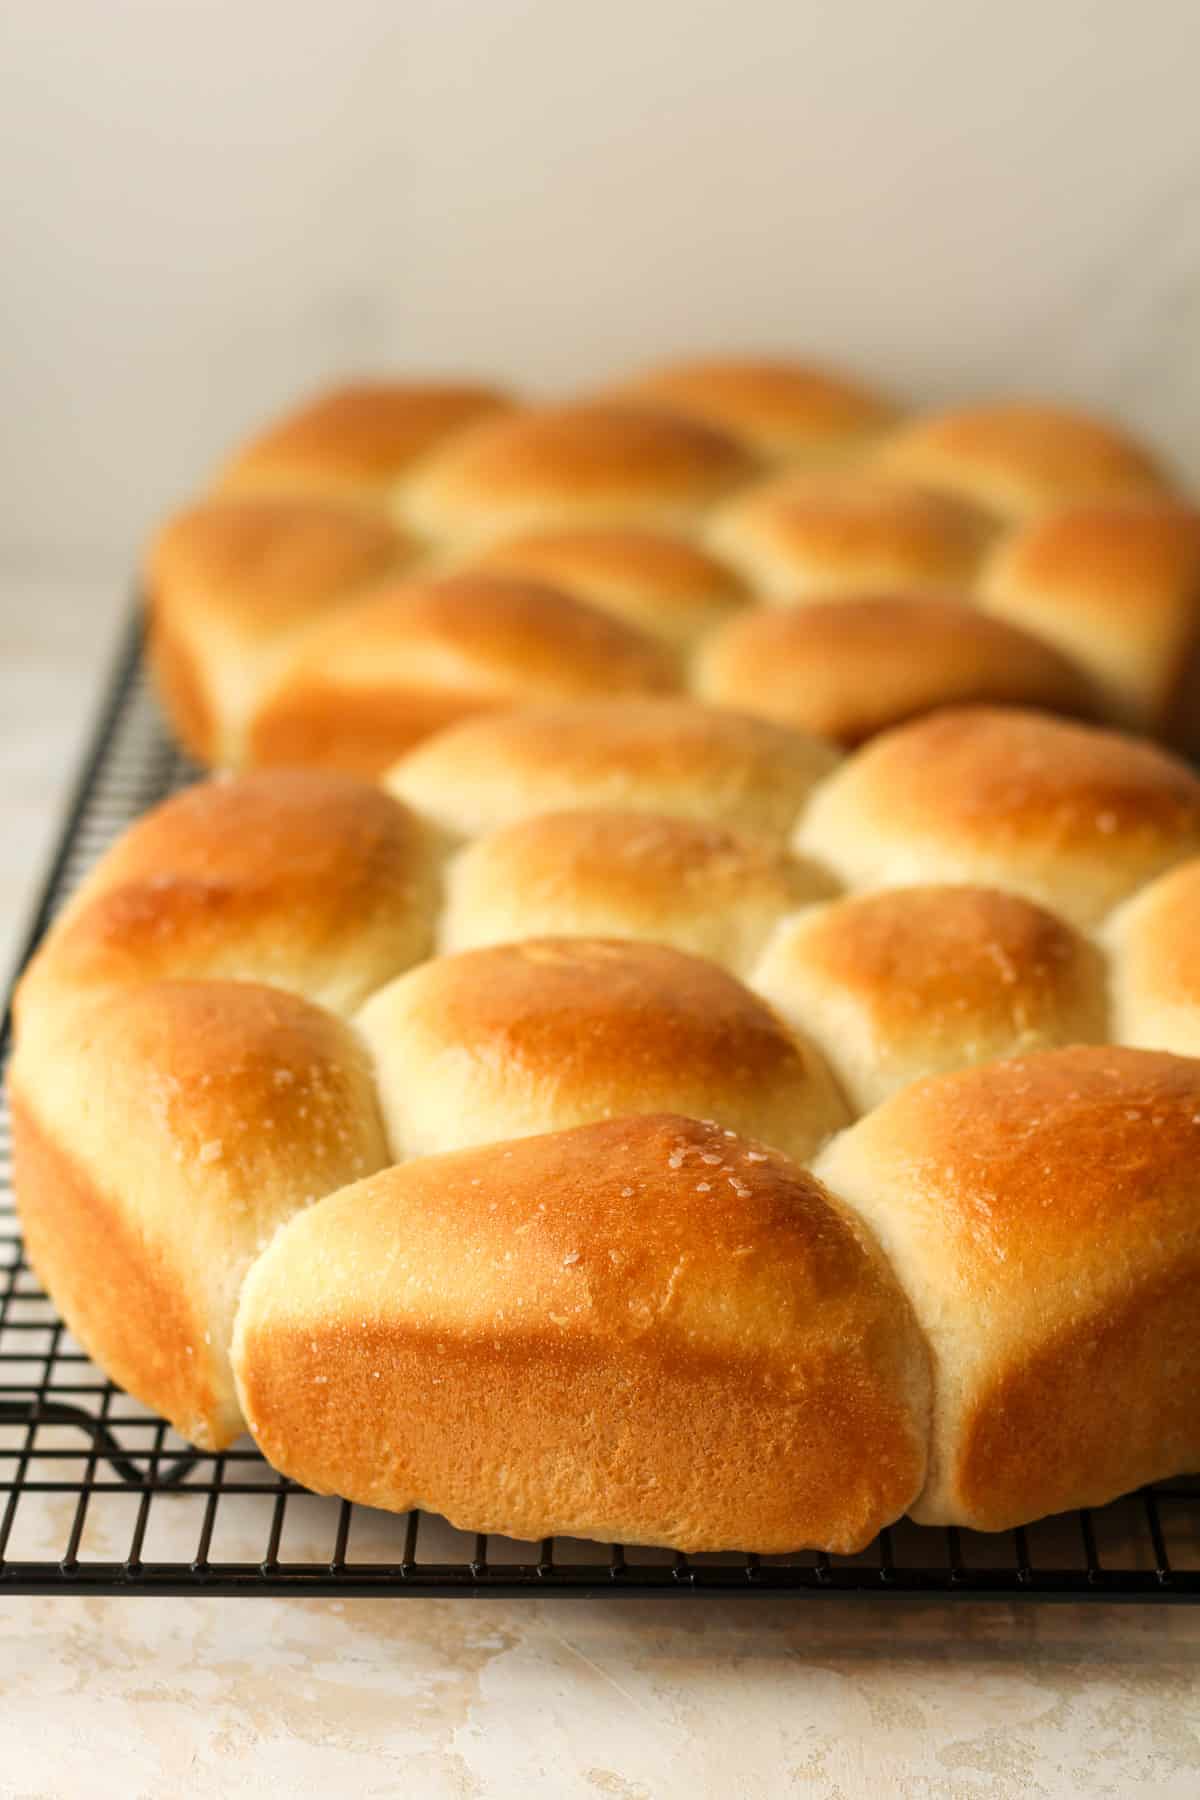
(620, 1700)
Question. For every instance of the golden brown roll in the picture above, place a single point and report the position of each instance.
(1155, 943)
(846, 672)
(819, 536)
(359, 441)
(305, 880)
(1116, 585)
(552, 1032)
(587, 464)
(657, 582)
(598, 873)
(786, 411)
(1041, 1216)
(163, 1132)
(1018, 458)
(662, 756)
(232, 584)
(916, 981)
(366, 686)
(644, 1330)
(1071, 816)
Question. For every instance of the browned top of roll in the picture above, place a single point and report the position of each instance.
(357, 439)
(653, 580)
(314, 881)
(265, 563)
(375, 679)
(1117, 584)
(574, 465)
(847, 671)
(1071, 815)
(551, 1032)
(783, 408)
(1017, 458)
(800, 536)
(666, 756)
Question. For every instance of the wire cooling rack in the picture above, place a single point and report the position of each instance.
(100, 1496)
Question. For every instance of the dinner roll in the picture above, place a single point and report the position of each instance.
(308, 881)
(847, 672)
(645, 1330)
(914, 981)
(231, 584)
(1117, 586)
(784, 410)
(162, 1134)
(1018, 458)
(1069, 815)
(585, 464)
(367, 685)
(1155, 944)
(802, 537)
(552, 1032)
(662, 756)
(596, 873)
(358, 441)
(1041, 1216)
(660, 583)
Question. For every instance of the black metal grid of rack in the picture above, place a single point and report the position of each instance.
(99, 1496)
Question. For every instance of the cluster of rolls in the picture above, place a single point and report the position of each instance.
(636, 1119)
(394, 557)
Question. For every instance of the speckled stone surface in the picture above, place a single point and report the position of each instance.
(620, 1700)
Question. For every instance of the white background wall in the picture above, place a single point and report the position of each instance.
(210, 203)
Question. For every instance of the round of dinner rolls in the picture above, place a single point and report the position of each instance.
(651, 579)
(368, 684)
(608, 873)
(586, 464)
(1072, 816)
(846, 672)
(312, 882)
(1016, 458)
(1155, 943)
(551, 1032)
(784, 410)
(647, 1330)
(162, 1134)
(907, 982)
(1117, 586)
(663, 756)
(359, 441)
(814, 536)
(1041, 1216)
(232, 584)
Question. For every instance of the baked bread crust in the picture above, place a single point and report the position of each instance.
(657, 755)
(1018, 458)
(847, 670)
(579, 1334)
(786, 411)
(358, 441)
(1041, 1216)
(1068, 815)
(1117, 586)
(375, 679)
(818, 536)
(548, 1033)
(162, 1133)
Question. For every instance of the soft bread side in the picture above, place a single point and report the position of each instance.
(162, 1134)
(1043, 1216)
